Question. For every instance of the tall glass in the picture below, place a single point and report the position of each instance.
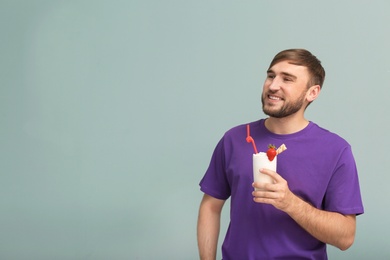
(260, 160)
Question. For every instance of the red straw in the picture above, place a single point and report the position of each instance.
(249, 138)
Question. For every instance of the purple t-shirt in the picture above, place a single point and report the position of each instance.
(318, 166)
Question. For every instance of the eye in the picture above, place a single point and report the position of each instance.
(270, 76)
(287, 79)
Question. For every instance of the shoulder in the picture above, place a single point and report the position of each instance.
(327, 136)
(328, 142)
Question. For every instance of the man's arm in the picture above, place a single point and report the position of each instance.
(208, 226)
(329, 227)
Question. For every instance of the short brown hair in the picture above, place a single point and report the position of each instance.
(303, 57)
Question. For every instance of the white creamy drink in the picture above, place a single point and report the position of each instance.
(260, 160)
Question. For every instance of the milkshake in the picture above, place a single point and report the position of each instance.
(260, 160)
(265, 160)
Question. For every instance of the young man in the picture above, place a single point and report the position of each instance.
(315, 194)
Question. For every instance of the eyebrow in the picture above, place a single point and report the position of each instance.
(283, 73)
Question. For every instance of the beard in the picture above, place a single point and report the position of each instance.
(287, 109)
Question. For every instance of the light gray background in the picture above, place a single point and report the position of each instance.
(110, 110)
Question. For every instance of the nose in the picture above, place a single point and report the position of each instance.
(274, 84)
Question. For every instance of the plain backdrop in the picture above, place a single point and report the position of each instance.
(110, 110)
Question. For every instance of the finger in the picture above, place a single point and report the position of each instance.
(263, 200)
(272, 174)
(258, 185)
(264, 194)
(263, 186)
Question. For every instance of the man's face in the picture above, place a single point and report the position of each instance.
(284, 90)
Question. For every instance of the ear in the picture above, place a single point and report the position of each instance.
(313, 93)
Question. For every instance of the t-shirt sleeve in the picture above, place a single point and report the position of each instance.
(343, 194)
(215, 182)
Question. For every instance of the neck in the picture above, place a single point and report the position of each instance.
(285, 125)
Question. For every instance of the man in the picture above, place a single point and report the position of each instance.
(315, 194)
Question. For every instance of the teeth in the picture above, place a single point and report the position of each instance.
(274, 98)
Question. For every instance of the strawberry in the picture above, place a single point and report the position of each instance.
(271, 152)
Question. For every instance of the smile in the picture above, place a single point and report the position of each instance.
(274, 97)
